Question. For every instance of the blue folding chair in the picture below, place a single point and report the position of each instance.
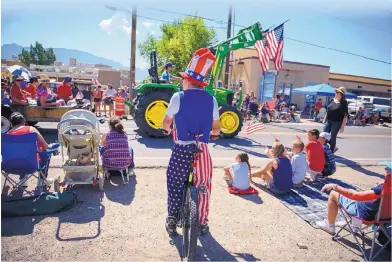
(19, 157)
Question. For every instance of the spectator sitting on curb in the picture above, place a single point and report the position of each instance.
(330, 165)
(237, 175)
(298, 163)
(278, 172)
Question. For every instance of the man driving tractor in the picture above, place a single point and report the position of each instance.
(166, 76)
(196, 104)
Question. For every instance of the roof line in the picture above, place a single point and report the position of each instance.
(361, 76)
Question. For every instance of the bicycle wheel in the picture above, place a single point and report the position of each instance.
(191, 224)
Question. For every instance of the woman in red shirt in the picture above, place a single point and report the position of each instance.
(19, 127)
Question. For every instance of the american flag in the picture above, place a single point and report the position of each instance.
(254, 126)
(263, 53)
(275, 45)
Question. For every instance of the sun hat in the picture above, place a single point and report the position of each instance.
(341, 90)
(199, 66)
(44, 78)
(325, 135)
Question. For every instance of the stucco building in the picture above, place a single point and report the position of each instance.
(245, 72)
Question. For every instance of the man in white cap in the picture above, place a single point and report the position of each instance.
(330, 165)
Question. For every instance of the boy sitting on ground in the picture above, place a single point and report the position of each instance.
(330, 165)
(315, 154)
(298, 163)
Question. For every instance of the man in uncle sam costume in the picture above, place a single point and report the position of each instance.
(196, 115)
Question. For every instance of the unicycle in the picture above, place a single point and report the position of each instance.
(189, 214)
(188, 218)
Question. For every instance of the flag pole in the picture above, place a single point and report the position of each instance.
(265, 31)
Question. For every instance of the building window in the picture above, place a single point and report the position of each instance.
(389, 90)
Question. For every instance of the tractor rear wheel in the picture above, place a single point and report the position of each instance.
(230, 120)
(150, 109)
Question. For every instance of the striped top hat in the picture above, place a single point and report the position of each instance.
(198, 68)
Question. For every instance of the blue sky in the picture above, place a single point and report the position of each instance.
(362, 27)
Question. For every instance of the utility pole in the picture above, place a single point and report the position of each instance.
(227, 66)
(133, 54)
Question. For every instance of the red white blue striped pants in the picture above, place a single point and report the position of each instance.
(202, 176)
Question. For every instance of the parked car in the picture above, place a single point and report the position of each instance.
(379, 102)
(354, 107)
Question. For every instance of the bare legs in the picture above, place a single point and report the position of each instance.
(333, 200)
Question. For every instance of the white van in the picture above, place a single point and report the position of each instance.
(379, 102)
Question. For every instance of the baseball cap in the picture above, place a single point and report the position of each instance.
(388, 164)
(67, 79)
(325, 135)
(33, 79)
(168, 64)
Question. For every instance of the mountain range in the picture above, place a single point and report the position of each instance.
(64, 54)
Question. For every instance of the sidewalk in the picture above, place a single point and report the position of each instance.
(127, 223)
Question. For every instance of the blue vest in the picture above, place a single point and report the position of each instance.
(283, 176)
(195, 115)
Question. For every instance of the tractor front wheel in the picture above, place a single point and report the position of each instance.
(150, 109)
(230, 120)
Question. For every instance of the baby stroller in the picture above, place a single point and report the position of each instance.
(79, 136)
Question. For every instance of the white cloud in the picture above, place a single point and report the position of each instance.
(142, 64)
(118, 22)
(153, 32)
(147, 24)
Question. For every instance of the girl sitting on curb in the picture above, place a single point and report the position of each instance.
(278, 172)
(237, 175)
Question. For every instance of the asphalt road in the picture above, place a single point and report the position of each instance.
(358, 145)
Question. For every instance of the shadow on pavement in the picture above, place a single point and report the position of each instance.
(91, 209)
(255, 198)
(291, 128)
(242, 144)
(211, 250)
(355, 166)
(157, 143)
(119, 192)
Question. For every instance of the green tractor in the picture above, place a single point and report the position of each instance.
(153, 98)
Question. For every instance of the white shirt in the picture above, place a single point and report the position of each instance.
(240, 172)
(299, 166)
(174, 107)
(110, 92)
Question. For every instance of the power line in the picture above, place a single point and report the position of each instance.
(292, 39)
(337, 50)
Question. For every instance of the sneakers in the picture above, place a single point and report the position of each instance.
(324, 225)
(204, 230)
(131, 172)
(171, 226)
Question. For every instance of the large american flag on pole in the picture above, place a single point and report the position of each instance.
(274, 41)
(271, 47)
(263, 54)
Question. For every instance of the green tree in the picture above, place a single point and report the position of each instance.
(178, 42)
(37, 55)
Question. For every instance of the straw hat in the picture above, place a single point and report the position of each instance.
(44, 78)
(341, 90)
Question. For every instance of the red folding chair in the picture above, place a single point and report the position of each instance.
(382, 219)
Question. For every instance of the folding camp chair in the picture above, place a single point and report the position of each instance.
(382, 219)
(19, 157)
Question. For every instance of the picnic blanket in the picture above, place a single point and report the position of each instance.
(309, 203)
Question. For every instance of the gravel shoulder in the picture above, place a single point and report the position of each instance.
(127, 223)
